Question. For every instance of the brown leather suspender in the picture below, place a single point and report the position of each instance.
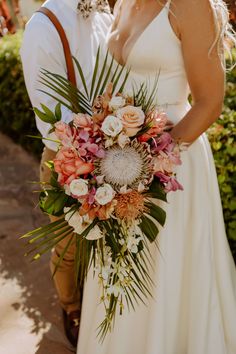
(66, 47)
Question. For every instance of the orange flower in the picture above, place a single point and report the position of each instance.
(129, 205)
(105, 211)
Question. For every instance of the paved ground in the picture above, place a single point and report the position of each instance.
(30, 320)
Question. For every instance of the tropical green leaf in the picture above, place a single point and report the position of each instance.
(149, 228)
(95, 71)
(58, 113)
(107, 77)
(57, 265)
(121, 89)
(42, 229)
(44, 117)
(53, 202)
(47, 239)
(99, 82)
(156, 190)
(156, 212)
(81, 76)
(117, 78)
(50, 246)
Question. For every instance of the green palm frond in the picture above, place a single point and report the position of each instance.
(61, 90)
(145, 97)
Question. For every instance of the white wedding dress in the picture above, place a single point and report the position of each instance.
(194, 305)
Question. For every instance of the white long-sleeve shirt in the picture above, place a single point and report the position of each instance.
(42, 48)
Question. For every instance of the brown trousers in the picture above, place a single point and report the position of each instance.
(70, 297)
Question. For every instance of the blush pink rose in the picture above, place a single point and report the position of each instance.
(70, 166)
(132, 119)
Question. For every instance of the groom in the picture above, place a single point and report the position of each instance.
(85, 24)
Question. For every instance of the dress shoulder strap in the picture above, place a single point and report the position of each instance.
(168, 4)
(66, 47)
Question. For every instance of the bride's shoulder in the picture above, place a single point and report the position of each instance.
(190, 9)
(193, 13)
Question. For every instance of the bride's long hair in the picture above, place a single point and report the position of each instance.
(225, 35)
(225, 38)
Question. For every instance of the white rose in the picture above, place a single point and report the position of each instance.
(79, 187)
(94, 234)
(123, 140)
(112, 126)
(104, 194)
(116, 103)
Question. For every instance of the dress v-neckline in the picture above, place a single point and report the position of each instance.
(125, 62)
(146, 28)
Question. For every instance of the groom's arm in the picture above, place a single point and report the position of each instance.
(42, 49)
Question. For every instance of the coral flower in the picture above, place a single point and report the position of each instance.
(157, 121)
(70, 166)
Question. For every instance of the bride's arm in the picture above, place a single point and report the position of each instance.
(204, 70)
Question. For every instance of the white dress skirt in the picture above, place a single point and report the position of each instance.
(193, 310)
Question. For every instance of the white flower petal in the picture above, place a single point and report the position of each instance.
(95, 233)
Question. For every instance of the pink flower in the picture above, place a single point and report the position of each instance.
(70, 166)
(157, 121)
(170, 183)
(64, 133)
(173, 185)
(163, 163)
(84, 135)
(83, 121)
(163, 142)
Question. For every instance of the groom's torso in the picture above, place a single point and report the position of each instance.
(42, 49)
(84, 35)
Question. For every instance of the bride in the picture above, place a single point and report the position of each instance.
(193, 310)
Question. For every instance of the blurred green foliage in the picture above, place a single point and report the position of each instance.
(222, 136)
(17, 120)
(16, 114)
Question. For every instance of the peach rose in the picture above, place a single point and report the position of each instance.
(70, 166)
(132, 119)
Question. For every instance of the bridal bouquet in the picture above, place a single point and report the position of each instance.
(114, 166)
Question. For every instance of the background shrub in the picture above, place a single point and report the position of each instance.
(16, 114)
(17, 120)
(222, 136)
